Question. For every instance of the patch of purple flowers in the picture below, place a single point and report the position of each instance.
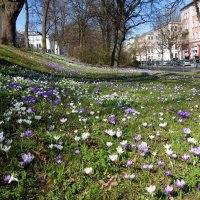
(183, 114)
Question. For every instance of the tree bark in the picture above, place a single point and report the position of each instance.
(26, 25)
(44, 24)
(10, 11)
(118, 41)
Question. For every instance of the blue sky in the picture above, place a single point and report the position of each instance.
(22, 18)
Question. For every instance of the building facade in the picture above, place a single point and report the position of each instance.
(35, 42)
(191, 32)
(152, 47)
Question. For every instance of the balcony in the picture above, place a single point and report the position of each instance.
(185, 43)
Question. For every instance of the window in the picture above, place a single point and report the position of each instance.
(149, 38)
(193, 36)
(40, 45)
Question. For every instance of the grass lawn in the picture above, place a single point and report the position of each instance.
(72, 133)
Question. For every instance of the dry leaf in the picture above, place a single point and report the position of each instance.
(111, 182)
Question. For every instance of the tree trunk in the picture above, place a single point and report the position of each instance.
(44, 24)
(10, 11)
(171, 54)
(26, 25)
(1, 22)
(115, 57)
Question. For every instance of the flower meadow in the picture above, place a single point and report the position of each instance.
(98, 138)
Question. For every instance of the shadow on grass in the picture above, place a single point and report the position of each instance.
(13, 70)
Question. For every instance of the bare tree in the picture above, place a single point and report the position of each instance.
(168, 31)
(26, 25)
(105, 24)
(44, 25)
(9, 12)
(125, 15)
(81, 13)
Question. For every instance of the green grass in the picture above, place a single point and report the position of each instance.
(99, 93)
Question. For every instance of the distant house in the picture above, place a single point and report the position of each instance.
(20, 39)
(35, 42)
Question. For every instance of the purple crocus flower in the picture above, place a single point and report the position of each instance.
(195, 151)
(130, 111)
(160, 163)
(27, 158)
(137, 138)
(186, 131)
(77, 151)
(1, 137)
(185, 157)
(174, 155)
(133, 146)
(183, 114)
(6, 178)
(143, 147)
(112, 119)
(198, 186)
(147, 166)
(59, 161)
(129, 163)
(28, 133)
(169, 189)
(180, 183)
(168, 172)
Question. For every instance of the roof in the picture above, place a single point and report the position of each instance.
(186, 6)
(34, 33)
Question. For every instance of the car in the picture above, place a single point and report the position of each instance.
(186, 63)
(165, 63)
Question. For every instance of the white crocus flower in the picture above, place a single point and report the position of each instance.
(84, 136)
(88, 170)
(191, 140)
(163, 124)
(118, 133)
(169, 152)
(37, 117)
(151, 137)
(167, 146)
(120, 150)
(77, 138)
(63, 120)
(124, 142)
(151, 189)
(12, 178)
(113, 157)
(56, 137)
(5, 148)
(109, 144)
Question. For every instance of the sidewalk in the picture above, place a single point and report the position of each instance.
(172, 68)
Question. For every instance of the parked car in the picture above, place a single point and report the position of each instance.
(165, 63)
(186, 63)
